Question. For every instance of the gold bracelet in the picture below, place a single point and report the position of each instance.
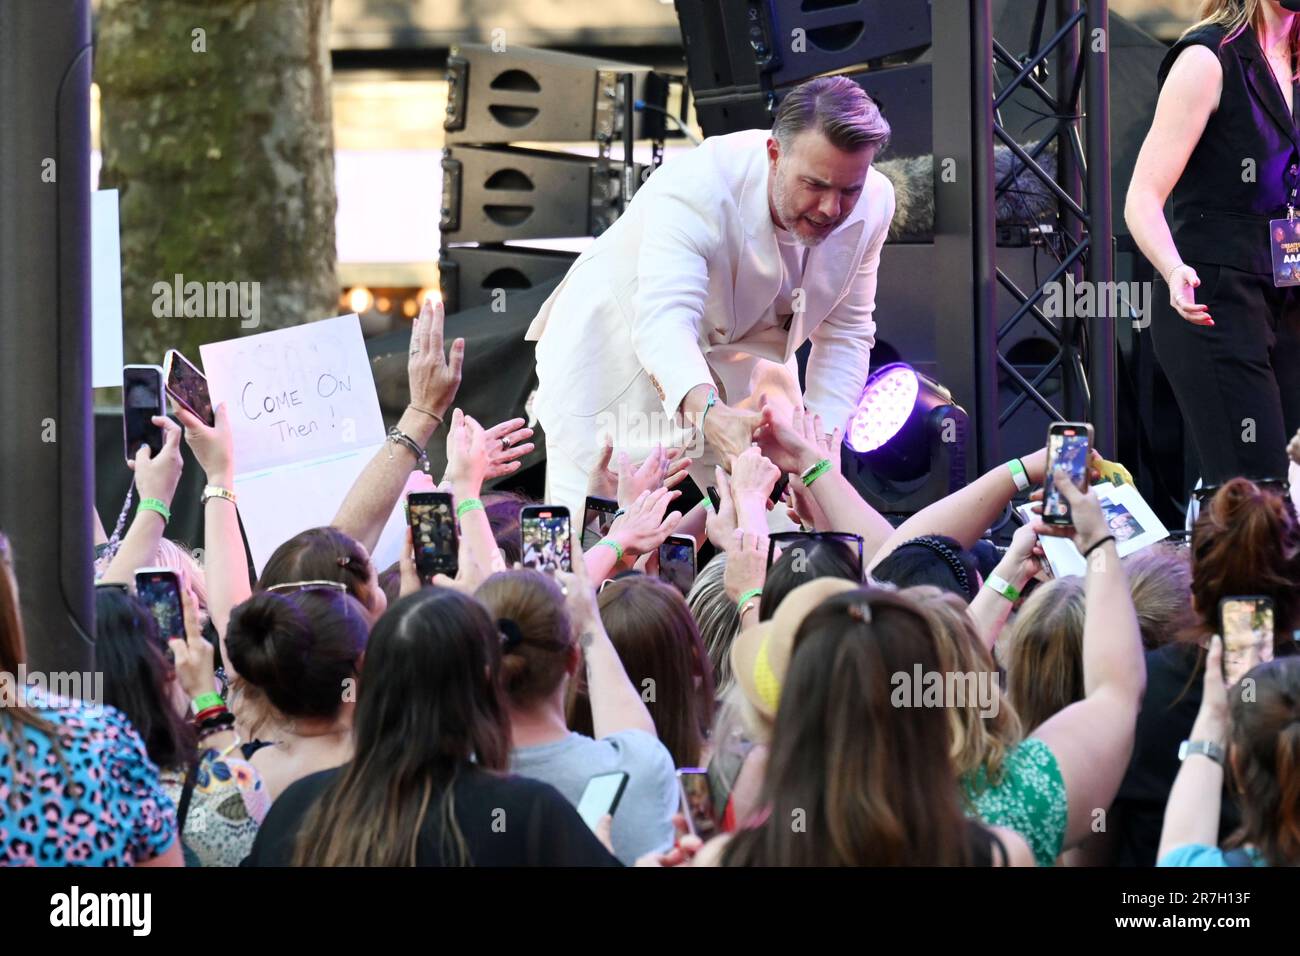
(424, 411)
(216, 491)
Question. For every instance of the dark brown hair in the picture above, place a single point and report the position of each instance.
(869, 783)
(320, 554)
(1265, 749)
(13, 651)
(532, 666)
(658, 642)
(298, 648)
(430, 709)
(1246, 542)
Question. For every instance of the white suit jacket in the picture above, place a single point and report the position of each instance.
(675, 294)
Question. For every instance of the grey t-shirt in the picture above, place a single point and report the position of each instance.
(643, 821)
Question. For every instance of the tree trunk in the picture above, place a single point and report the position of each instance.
(216, 127)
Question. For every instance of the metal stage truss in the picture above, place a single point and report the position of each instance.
(968, 99)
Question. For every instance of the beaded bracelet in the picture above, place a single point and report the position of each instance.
(611, 543)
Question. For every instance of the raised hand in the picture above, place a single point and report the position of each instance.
(433, 375)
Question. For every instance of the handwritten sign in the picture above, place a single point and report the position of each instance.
(305, 421)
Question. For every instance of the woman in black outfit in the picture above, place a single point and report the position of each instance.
(1224, 141)
(427, 786)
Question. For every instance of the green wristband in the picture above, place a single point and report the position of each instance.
(204, 701)
(153, 504)
(751, 593)
(815, 472)
(611, 543)
(468, 505)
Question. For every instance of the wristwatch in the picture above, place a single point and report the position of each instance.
(1206, 748)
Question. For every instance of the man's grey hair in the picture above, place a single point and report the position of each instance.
(836, 107)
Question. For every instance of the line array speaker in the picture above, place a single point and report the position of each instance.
(494, 195)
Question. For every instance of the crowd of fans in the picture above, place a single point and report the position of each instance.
(855, 692)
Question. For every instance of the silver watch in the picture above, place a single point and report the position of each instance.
(1205, 748)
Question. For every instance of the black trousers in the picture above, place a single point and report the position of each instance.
(1238, 382)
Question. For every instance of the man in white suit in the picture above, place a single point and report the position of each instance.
(727, 259)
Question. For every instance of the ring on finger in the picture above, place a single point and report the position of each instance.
(505, 444)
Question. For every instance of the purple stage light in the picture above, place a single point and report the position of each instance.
(886, 404)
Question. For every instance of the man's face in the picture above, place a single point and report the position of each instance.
(812, 186)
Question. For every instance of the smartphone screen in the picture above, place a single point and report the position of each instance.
(1067, 447)
(597, 518)
(545, 533)
(159, 590)
(697, 801)
(142, 399)
(187, 385)
(601, 796)
(1246, 624)
(433, 533)
(677, 562)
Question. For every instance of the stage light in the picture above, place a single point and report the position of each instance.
(908, 436)
(383, 304)
(360, 300)
(884, 408)
(410, 308)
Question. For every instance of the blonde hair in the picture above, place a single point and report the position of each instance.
(1235, 16)
(1044, 651)
(977, 741)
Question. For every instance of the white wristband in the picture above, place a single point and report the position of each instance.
(995, 582)
(1018, 474)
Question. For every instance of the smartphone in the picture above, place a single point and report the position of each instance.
(142, 399)
(677, 561)
(602, 795)
(597, 517)
(187, 386)
(775, 497)
(432, 515)
(544, 530)
(1067, 447)
(697, 801)
(1246, 624)
(159, 589)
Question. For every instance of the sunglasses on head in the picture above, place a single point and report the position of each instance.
(787, 540)
(308, 586)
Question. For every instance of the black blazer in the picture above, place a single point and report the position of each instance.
(1219, 216)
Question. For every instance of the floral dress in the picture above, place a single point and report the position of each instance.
(87, 797)
(227, 807)
(1029, 798)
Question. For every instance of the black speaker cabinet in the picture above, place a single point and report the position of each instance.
(774, 43)
(494, 195)
(470, 276)
(522, 94)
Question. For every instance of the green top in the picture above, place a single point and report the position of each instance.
(1030, 798)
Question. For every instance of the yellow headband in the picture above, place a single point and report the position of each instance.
(765, 682)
